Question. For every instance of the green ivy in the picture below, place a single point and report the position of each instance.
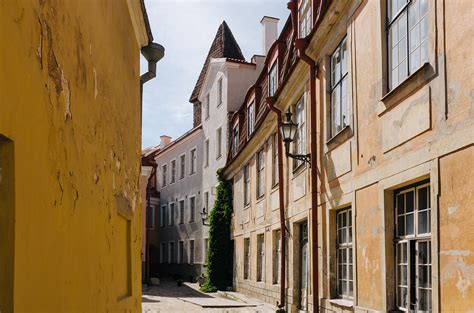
(220, 251)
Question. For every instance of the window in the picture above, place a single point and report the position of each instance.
(182, 161)
(250, 119)
(181, 211)
(272, 80)
(191, 251)
(219, 143)
(163, 216)
(304, 12)
(206, 247)
(276, 256)
(164, 169)
(340, 109)
(260, 173)
(300, 137)
(206, 152)
(260, 257)
(150, 217)
(235, 139)
(275, 168)
(181, 252)
(413, 248)
(206, 200)
(173, 171)
(171, 214)
(172, 253)
(344, 260)
(193, 162)
(206, 107)
(192, 208)
(407, 32)
(246, 258)
(246, 184)
(163, 252)
(219, 92)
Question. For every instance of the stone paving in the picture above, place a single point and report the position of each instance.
(168, 297)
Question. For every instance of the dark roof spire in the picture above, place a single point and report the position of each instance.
(223, 46)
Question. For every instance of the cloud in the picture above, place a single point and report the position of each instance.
(186, 29)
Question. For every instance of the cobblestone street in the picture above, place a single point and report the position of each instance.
(168, 297)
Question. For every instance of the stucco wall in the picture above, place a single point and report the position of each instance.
(71, 106)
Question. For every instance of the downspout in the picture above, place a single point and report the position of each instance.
(301, 45)
(281, 305)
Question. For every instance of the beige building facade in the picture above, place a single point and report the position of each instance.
(393, 122)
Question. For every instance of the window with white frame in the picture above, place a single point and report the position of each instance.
(182, 166)
(260, 257)
(206, 248)
(250, 119)
(193, 161)
(235, 139)
(150, 217)
(163, 216)
(260, 173)
(219, 92)
(247, 258)
(407, 33)
(344, 256)
(413, 248)
(206, 152)
(276, 256)
(300, 137)
(171, 214)
(192, 208)
(206, 107)
(246, 184)
(181, 252)
(172, 253)
(275, 168)
(272, 79)
(219, 142)
(164, 170)
(173, 171)
(163, 253)
(304, 13)
(206, 201)
(181, 211)
(191, 251)
(340, 108)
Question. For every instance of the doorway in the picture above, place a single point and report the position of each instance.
(303, 266)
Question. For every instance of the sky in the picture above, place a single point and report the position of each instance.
(186, 28)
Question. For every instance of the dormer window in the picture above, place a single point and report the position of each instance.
(272, 79)
(250, 119)
(304, 14)
(235, 139)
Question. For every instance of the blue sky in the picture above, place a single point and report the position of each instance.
(186, 29)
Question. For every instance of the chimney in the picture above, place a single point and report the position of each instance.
(165, 140)
(269, 32)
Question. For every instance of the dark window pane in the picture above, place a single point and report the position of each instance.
(410, 230)
(423, 276)
(423, 198)
(424, 303)
(423, 222)
(410, 203)
(401, 226)
(423, 252)
(400, 204)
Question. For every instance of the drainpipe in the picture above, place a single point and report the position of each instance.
(301, 45)
(281, 305)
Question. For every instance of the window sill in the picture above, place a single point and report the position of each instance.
(342, 302)
(218, 157)
(411, 84)
(299, 169)
(339, 138)
(260, 198)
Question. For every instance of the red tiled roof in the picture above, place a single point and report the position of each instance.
(223, 46)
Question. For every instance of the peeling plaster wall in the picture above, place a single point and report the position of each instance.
(71, 104)
(456, 231)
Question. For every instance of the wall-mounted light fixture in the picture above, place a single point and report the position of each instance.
(205, 217)
(288, 131)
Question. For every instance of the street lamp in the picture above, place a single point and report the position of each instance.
(288, 131)
(205, 217)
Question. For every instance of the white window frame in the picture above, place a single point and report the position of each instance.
(173, 171)
(250, 118)
(182, 166)
(344, 254)
(219, 142)
(171, 213)
(192, 215)
(299, 146)
(260, 164)
(182, 211)
(163, 215)
(193, 161)
(273, 79)
(164, 175)
(340, 104)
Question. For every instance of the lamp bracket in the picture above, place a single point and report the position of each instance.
(301, 157)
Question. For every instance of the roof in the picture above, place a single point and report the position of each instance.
(178, 140)
(223, 46)
(147, 22)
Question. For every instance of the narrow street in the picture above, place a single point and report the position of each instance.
(168, 297)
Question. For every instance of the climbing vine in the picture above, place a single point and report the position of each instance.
(220, 251)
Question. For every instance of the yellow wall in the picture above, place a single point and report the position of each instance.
(70, 103)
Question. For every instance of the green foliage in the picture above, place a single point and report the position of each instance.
(220, 251)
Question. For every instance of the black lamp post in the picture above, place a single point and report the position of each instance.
(288, 132)
(205, 217)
